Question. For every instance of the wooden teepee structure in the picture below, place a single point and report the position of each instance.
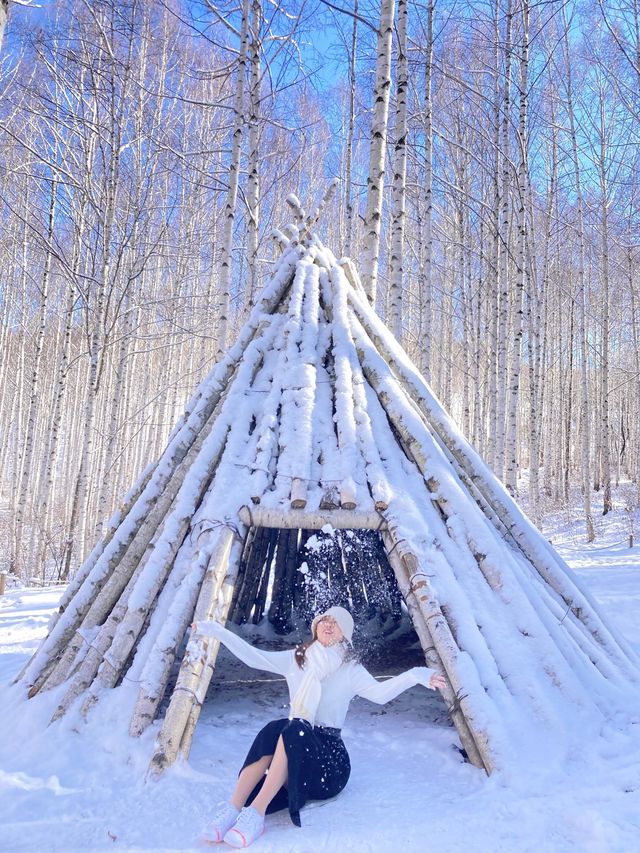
(317, 416)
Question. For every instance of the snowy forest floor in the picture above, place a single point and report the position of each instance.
(82, 790)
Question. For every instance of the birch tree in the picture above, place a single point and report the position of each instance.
(396, 264)
(377, 152)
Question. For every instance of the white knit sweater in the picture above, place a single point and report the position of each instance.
(338, 689)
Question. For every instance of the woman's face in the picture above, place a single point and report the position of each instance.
(328, 631)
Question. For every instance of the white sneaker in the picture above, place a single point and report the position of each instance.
(222, 821)
(248, 827)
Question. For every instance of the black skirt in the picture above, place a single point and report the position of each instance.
(318, 763)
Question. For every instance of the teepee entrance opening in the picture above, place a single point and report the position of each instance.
(287, 575)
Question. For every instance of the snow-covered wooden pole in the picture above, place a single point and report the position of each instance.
(423, 609)
(199, 658)
(416, 590)
(377, 151)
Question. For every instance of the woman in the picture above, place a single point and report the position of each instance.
(303, 757)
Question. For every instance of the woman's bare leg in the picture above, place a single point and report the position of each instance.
(276, 778)
(248, 779)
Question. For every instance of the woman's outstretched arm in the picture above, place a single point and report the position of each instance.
(278, 662)
(365, 684)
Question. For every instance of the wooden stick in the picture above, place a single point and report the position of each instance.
(252, 577)
(313, 217)
(288, 519)
(417, 440)
(435, 635)
(279, 576)
(262, 576)
(158, 665)
(364, 436)
(199, 660)
(245, 561)
(261, 597)
(298, 493)
(187, 488)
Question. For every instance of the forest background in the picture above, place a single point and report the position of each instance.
(487, 158)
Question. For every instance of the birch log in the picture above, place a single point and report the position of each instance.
(415, 587)
(199, 659)
(433, 659)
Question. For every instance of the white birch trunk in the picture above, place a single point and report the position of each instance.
(503, 308)
(253, 179)
(396, 273)
(348, 189)
(604, 347)
(585, 426)
(377, 152)
(511, 461)
(35, 390)
(226, 259)
(425, 272)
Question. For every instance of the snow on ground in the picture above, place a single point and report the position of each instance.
(79, 790)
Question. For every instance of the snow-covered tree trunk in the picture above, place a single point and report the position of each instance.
(377, 152)
(114, 419)
(425, 271)
(43, 508)
(348, 180)
(226, 252)
(534, 300)
(396, 273)
(491, 394)
(604, 347)
(511, 461)
(585, 407)
(635, 326)
(96, 320)
(503, 307)
(35, 390)
(253, 179)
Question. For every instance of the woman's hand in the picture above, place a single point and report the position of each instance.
(437, 682)
(194, 627)
(433, 681)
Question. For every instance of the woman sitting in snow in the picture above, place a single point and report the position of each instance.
(302, 758)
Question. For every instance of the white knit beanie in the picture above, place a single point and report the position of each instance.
(342, 617)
